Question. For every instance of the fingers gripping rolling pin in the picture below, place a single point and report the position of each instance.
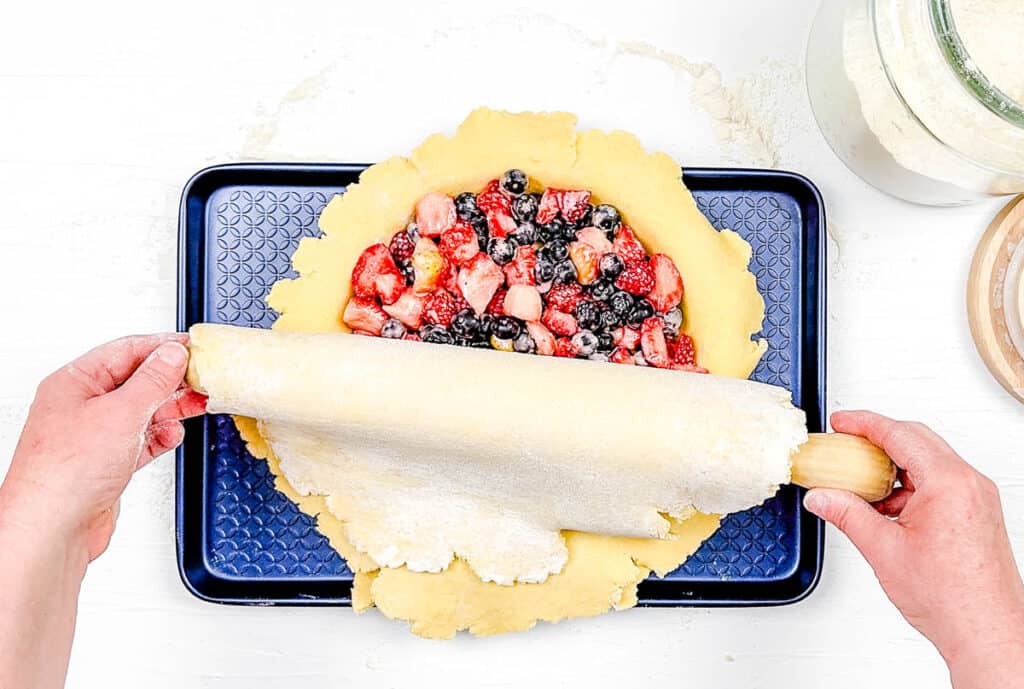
(593, 447)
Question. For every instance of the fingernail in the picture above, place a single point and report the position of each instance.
(815, 502)
(172, 354)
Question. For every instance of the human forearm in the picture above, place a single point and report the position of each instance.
(993, 655)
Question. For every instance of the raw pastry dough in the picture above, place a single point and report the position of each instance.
(723, 309)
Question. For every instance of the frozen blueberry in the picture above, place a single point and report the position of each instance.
(641, 312)
(610, 319)
(514, 182)
(465, 325)
(586, 343)
(557, 229)
(408, 273)
(605, 342)
(602, 290)
(673, 320)
(465, 206)
(611, 266)
(588, 315)
(393, 329)
(544, 271)
(506, 328)
(524, 344)
(558, 250)
(524, 207)
(525, 234)
(606, 218)
(501, 250)
(437, 334)
(565, 272)
(413, 230)
(621, 302)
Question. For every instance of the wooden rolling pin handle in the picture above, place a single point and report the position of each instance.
(838, 460)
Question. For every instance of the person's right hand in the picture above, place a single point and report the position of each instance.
(939, 548)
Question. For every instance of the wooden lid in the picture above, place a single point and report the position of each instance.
(995, 298)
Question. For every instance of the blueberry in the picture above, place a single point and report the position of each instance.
(585, 219)
(606, 218)
(393, 329)
(611, 266)
(465, 325)
(408, 272)
(673, 319)
(557, 229)
(524, 344)
(598, 356)
(558, 250)
(437, 334)
(565, 272)
(544, 271)
(465, 206)
(480, 227)
(602, 290)
(610, 319)
(525, 234)
(413, 230)
(641, 312)
(506, 328)
(586, 343)
(569, 232)
(605, 342)
(486, 325)
(501, 250)
(514, 182)
(524, 207)
(621, 302)
(588, 315)
(544, 234)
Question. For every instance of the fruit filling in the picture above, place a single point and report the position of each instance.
(519, 271)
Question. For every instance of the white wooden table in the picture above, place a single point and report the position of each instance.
(106, 110)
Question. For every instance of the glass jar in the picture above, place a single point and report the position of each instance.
(904, 104)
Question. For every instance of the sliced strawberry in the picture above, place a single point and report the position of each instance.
(668, 284)
(413, 337)
(427, 264)
(435, 213)
(596, 239)
(622, 356)
(479, 280)
(584, 258)
(550, 204)
(500, 224)
(628, 247)
(492, 199)
(626, 337)
(401, 246)
(496, 307)
(439, 308)
(377, 274)
(564, 298)
(689, 369)
(652, 343)
(364, 314)
(637, 279)
(560, 323)
(408, 309)
(459, 243)
(565, 347)
(523, 302)
(449, 277)
(520, 270)
(542, 338)
(573, 205)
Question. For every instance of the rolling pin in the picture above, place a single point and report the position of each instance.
(596, 448)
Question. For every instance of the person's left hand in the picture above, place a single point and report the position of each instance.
(92, 424)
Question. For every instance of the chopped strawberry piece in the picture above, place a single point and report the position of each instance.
(542, 338)
(668, 284)
(564, 298)
(560, 323)
(459, 243)
(492, 199)
(596, 239)
(408, 309)
(622, 356)
(565, 347)
(626, 337)
(628, 247)
(428, 264)
(500, 224)
(652, 343)
(439, 308)
(573, 205)
(479, 280)
(401, 246)
(413, 337)
(689, 369)
(520, 270)
(550, 204)
(449, 277)
(584, 258)
(364, 314)
(523, 302)
(377, 274)
(435, 213)
(637, 279)
(496, 307)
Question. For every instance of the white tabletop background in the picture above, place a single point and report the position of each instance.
(106, 110)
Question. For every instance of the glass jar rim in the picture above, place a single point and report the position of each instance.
(974, 81)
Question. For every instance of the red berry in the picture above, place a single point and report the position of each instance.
(652, 342)
(523, 302)
(435, 213)
(560, 323)
(550, 204)
(401, 246)
(626, 337)
(584, 257)
(564, 298)
(496, 307)
(668, 284)
(479, 280)
(439, 308)
(621, 356)
(492, 199)
(365, 315)
(413, 337)
(542, 338)
(520, 270)
(459, 243)
(628, 247)
(637, 279)
(565, 347)
(574, 205)
(408, 308)
(377, 274)
(683, 351)
(500, 224)
(596, 239)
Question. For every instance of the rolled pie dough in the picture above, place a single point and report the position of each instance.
(722, 306)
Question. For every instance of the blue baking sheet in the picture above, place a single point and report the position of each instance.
(241, 541)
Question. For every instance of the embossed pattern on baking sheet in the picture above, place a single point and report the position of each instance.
(255, 532)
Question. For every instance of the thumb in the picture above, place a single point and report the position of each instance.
(154, 380)
(862, 524)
